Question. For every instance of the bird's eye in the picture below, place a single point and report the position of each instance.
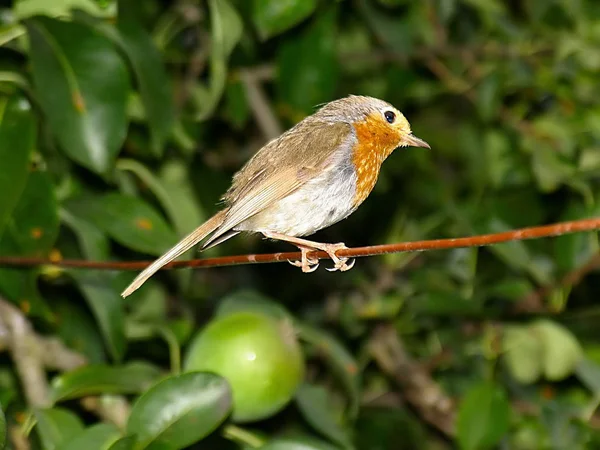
(390, 116)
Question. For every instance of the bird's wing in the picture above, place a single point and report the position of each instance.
(276, 171)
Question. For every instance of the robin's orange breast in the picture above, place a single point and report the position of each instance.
(374, 144)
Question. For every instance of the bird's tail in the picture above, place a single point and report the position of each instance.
(182, 246)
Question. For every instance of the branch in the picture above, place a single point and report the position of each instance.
(419, 389)
(556, 229)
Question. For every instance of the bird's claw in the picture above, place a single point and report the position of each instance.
(307, 264)
(339, 263)
(343, 265)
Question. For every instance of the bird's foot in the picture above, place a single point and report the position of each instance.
(307, 264)
(339, 263)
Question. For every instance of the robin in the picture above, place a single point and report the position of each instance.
(312, 176)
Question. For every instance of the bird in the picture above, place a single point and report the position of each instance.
(314, 175)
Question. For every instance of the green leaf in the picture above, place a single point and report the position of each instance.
(17, 138)
(27, 8)
(75, 326)
(308, 69)
(30, 231)
(56, 426)
(107, 306)
(237, 110)
(488, 97)
(522, 353)
(273, 17)
(82, 86)
(96, 437)
(93, 242)
(2, 429)
(562, 351)
(574, 250)
(126, 443)
(128, 220)
(152, 79)
(179, 411)
(317, 410)
(226, 31)
(588, 373)
(483, 417)
(300, 442)
(98, 379)
(340, 361)
(34, 224)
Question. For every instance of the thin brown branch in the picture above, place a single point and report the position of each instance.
(533, 302)
(419, 389)
(259, 103)
(556, 229)
(26, 354)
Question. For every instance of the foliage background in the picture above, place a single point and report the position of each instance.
(121, 125)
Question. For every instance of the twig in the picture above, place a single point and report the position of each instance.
(419, 389)
(259, 103)
(26, 354)
(556, 229)
(110, 408)
(532, 302)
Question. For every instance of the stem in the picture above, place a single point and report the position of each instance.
(241, 436)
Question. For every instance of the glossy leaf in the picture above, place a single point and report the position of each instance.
(179, 411)
(56, 426)
(483, 417)
(126, 443)
(132, 378)
(272, 17)
(307, 65)
(128, 220)
(107, 306)
(299, 442)
(17, 138)
(96, 437)
(82, 86)
(153, 83)
(318, 411)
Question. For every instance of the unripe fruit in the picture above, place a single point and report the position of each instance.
(258, 355)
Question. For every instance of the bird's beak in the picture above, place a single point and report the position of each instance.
(413, 141)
